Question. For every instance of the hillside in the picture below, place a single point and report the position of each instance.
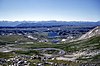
(14, 39)
(80, 51)
(91, 33)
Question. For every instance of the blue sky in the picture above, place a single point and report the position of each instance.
(61, 10)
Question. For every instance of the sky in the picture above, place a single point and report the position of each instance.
(44, 10)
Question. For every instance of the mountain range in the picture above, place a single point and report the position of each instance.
(47, 23)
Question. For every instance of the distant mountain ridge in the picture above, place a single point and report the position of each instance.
(9, 23)
(47, 23)
(58, 23)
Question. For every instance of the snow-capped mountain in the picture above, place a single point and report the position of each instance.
(91, 33)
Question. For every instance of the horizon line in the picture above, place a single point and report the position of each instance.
(52, 20)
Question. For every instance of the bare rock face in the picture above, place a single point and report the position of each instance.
(91, 33)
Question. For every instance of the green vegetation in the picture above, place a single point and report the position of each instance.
(72, 46)
(6, 55)
(51, 51)
(91, 44)
(29, 52)
(90, 59)
(96, 58)
(13, 38)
